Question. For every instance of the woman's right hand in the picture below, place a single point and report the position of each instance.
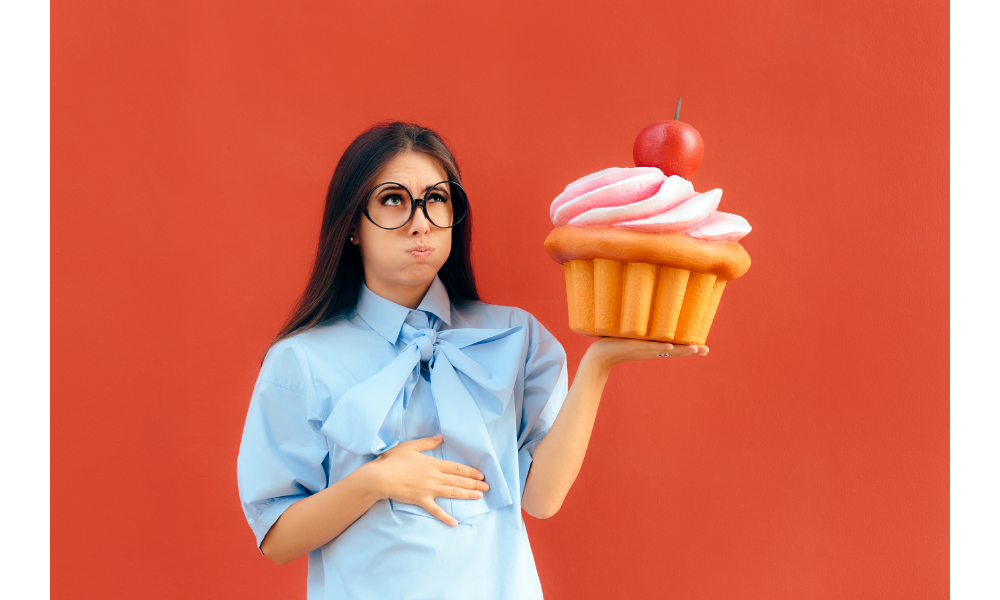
(406, 475)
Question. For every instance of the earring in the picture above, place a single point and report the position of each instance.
(352, 238)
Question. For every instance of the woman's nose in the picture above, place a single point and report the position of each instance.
(419, 223)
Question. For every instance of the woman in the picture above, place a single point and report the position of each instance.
(399, 424)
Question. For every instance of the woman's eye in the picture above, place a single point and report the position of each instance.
(437, 198)
(393, 200)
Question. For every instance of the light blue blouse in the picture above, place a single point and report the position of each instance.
(489, 378)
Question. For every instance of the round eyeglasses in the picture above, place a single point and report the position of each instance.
(391, 205)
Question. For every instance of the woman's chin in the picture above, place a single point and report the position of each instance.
(419, 274)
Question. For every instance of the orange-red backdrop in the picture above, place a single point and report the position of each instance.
(805, 457)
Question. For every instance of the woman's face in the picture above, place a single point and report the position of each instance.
(397, 261)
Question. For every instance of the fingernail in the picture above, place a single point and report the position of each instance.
(479, 494)
(437, 436)
(454, 523)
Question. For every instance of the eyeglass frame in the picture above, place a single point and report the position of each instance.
(421, 202)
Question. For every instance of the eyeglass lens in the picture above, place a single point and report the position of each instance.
(390, 205)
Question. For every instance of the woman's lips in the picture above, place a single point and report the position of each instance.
(421, 251)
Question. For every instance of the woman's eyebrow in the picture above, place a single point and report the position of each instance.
(442, 188)
(422, 192)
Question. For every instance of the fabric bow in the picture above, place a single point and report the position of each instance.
(468, 397)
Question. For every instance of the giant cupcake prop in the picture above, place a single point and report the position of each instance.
(645, 255)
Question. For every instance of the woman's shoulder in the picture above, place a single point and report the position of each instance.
(495, 316)
(340, 332)
(286, 365)
(305, 354)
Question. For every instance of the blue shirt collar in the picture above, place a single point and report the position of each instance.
(386, 317)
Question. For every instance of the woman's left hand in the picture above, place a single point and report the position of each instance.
(609, 351)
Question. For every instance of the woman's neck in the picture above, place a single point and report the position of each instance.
(403, 295)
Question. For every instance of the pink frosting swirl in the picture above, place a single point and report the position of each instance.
(644, 199)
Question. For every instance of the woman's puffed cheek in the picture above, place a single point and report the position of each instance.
(389, 257)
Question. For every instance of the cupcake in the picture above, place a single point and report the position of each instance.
(645, 256)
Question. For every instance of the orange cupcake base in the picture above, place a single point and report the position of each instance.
(641, 300)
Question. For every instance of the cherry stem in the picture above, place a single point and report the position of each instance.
(677, 111)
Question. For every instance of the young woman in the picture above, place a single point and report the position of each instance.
(399, 424)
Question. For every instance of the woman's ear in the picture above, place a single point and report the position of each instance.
(352, 237)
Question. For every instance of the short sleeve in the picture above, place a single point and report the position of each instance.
(546, 383)
(282, 453)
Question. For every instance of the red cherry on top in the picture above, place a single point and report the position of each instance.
(674, 147)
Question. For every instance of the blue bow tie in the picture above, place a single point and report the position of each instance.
(468, 395)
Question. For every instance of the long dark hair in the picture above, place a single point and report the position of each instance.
(338, 272)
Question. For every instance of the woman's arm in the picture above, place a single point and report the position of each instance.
(402, 473)
(317, 519)
(558, 457)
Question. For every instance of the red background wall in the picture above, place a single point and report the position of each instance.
(805, 457)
